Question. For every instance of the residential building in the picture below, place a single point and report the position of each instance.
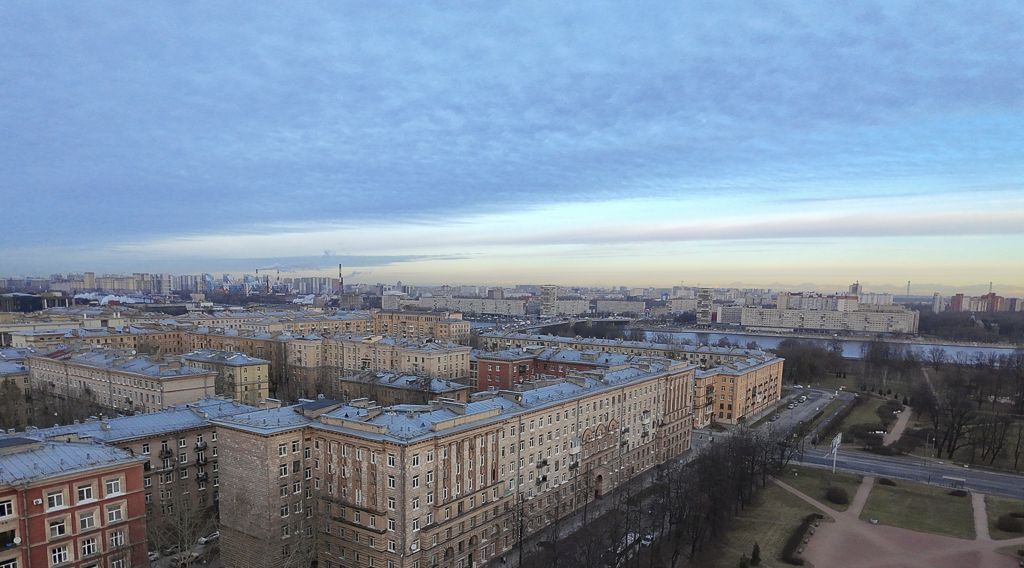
(120, 380)
(864, 319)
(442, 326)
(239, 376)
(631, 307)
(703, 355)
(388, 389)
(178, 451)
(443, 484)
(70, 504)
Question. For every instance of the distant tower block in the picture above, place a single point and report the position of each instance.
(705, 299)
(341, 279)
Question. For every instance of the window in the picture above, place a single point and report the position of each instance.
(145, 449)
(54, 499)
(116, 539)
(119, 563)
(415, 502)
(59, 555)
(181, 442)
(392, 546)
(58, 528)
(213, 437)
(86, 521)
(391, 503)
(147, 482)
(183, 458)
(415, 460)
(391, 482)
(430, 477)
(415, 481)
(115, 514)
(285, 511)
(282, 470)
(282, 449)
(113, 486)
(12, 563)
(295, 446)
(6, 508)
(391, 525)
(88, 546)
(391, 460)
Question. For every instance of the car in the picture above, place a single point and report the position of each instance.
(171, 550)
(647, 540)
(774, 418)
(153, 555)
(791, 406)
(215, 535)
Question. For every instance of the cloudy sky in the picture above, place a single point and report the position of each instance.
(627, 143)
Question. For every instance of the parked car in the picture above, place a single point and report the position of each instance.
(773, 418)
(215, 535)
(647, 540)
(153, 555)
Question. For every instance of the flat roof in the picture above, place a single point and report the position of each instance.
(41, 460)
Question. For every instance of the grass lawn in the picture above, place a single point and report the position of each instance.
(996, 506)
(769, 521)
(921, 508)
(813, 482)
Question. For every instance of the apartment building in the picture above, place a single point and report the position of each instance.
(728, 393)
(388, 389)
(483, 306)
(703, 355)
(511, 367)
(239, 376)
(864, 319)
(120, 380)
(70, 504)
(442, 326)
(178, 450)
(635, 307)
(443, 484)
(737, 392)
(345, 353)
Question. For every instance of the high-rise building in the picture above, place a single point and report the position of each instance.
(704, 304)
(549, 300)
(936, 303)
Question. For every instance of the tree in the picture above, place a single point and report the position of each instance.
(937, 356)
(755, 555)
(12, 405)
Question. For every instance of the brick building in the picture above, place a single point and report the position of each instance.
(70, 504)
(178, 452)
(239, 376)
(396, 388)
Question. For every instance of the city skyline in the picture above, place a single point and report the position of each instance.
(788, 147)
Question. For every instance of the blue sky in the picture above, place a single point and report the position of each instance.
(780, 143)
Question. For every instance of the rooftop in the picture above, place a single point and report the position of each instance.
(177, 418)
(408, 382)
(24, 460)
(620, 343)
(232, 358)
(410, 423)
(126, 361)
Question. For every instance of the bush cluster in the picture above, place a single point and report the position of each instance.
(837, 495)
(958, 493)
(1010, 523)
(789, 551)
(887, 481)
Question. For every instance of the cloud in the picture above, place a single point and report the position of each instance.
(153, 123)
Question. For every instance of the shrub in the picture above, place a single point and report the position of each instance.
(958, 493)
(1009, 523)
(755, 555)
(887, 481)
(744, 563)
(789, 551)
(1017, 514)
(837, 495)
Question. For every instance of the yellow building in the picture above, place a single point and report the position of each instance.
(243, 378)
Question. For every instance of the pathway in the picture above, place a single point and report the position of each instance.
(980, 516)
(897, 429)
(852, 543)
(928, 380)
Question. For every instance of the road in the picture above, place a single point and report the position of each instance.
(924, 470)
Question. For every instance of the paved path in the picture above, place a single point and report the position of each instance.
(980, 516)
(928, 380)
(861, 497)
(897, 429)
(851, 543)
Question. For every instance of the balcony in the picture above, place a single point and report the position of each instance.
(542, 463)
(575, 450)
(166, 453)
(541, 479)
(200, 445)
(201, 460)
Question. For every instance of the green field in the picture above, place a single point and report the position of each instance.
(769, 522)
(996, 506)
(813, 482)
(921, 508)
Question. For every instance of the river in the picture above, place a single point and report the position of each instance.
(852, 348)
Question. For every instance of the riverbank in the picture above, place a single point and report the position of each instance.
(920, 340)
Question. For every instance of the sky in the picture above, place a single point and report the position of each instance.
(791, 144)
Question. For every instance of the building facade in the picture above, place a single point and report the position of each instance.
(70, 504)
(446, 484)
(119, 380)
(239, 376)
